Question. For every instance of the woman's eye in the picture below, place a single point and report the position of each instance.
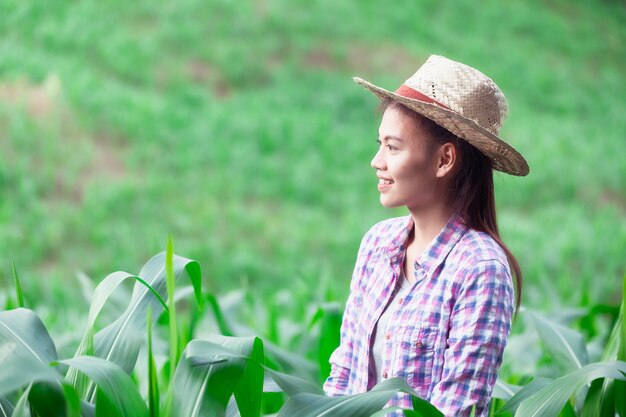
(391, 148)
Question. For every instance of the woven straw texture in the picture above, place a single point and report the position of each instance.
(476, 105)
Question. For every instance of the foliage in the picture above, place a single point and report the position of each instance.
(219, 375)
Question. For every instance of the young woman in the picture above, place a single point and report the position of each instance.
(433, 293)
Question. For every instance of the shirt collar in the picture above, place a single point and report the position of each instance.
(437, 251)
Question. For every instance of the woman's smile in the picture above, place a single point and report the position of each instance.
(384, 183)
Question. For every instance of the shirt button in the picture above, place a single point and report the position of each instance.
(400, 300)
(419, 345)
(384, 374)
(388, 336)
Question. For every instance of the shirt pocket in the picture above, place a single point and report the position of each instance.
(414, 356)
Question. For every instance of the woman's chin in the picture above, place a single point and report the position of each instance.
(388, 203)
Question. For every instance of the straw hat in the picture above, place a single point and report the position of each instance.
(464, 101)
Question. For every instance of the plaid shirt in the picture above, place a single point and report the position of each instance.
(447, 336)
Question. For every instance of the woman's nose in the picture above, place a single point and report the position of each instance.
(378, 162)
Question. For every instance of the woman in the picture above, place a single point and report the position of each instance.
(432, 294)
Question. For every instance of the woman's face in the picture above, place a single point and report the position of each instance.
(405, 165)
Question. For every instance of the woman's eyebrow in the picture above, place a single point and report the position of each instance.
(391, 137)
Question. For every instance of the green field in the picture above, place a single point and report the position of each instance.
(235, 128)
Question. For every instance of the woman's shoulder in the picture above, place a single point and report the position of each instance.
(386, 233)
(479, 246)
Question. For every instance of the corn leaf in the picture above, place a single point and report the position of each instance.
(6, 407)
(504, 391)
(360, 405)
(22, 331)
(550, 400)
(292, 385)
(205, 379)
(25, 351)
(601, 400)
(527, 391)
(48, 399)
(291, 363)
(120, 341)
(170, 281)
(19, 295)
(248, 386)
(222, 322)
(72, 399)
(565, 346)
(249, 390)
(101, 295)
(19, 370)
(620, 386)
(153, 381)
(120, 394)
(330, 316)
(21, 408)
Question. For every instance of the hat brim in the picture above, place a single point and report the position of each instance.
(503, 156)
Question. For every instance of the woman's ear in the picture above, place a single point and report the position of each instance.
(446, 159)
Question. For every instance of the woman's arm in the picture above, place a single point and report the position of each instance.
(342, 358)
(479, 328)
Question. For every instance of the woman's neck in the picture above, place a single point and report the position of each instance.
(427, 225)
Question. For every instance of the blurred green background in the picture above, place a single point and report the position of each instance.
(235, 127)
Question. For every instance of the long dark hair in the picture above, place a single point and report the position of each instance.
(471, 187)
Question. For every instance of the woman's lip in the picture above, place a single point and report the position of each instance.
(383, 185)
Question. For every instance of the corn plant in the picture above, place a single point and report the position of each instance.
(584, 389)
(216, 375)
(236, 373)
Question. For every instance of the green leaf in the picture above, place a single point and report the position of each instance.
(600, 399)
(525, 392)
(47, 399)
(549, 400)
(249, 390)
(621, 354)
(101, 295)
(72, 401)
(21, 330)
(292, 385)
(360, 405)
(620, 386)
(205, 379)
(25, 351)
(21, 408)
(19, 295)
(153, 381)
(224, 355)
(120, 341)
(564, 345)
(21, 370)
(330, 315)
(6, 407)
(504, 391)
(120, 393)
(291, 363)
(222, 322)
(173, 323)
(607, 397)
(425, 408)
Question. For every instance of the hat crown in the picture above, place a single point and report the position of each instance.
(463, 89)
